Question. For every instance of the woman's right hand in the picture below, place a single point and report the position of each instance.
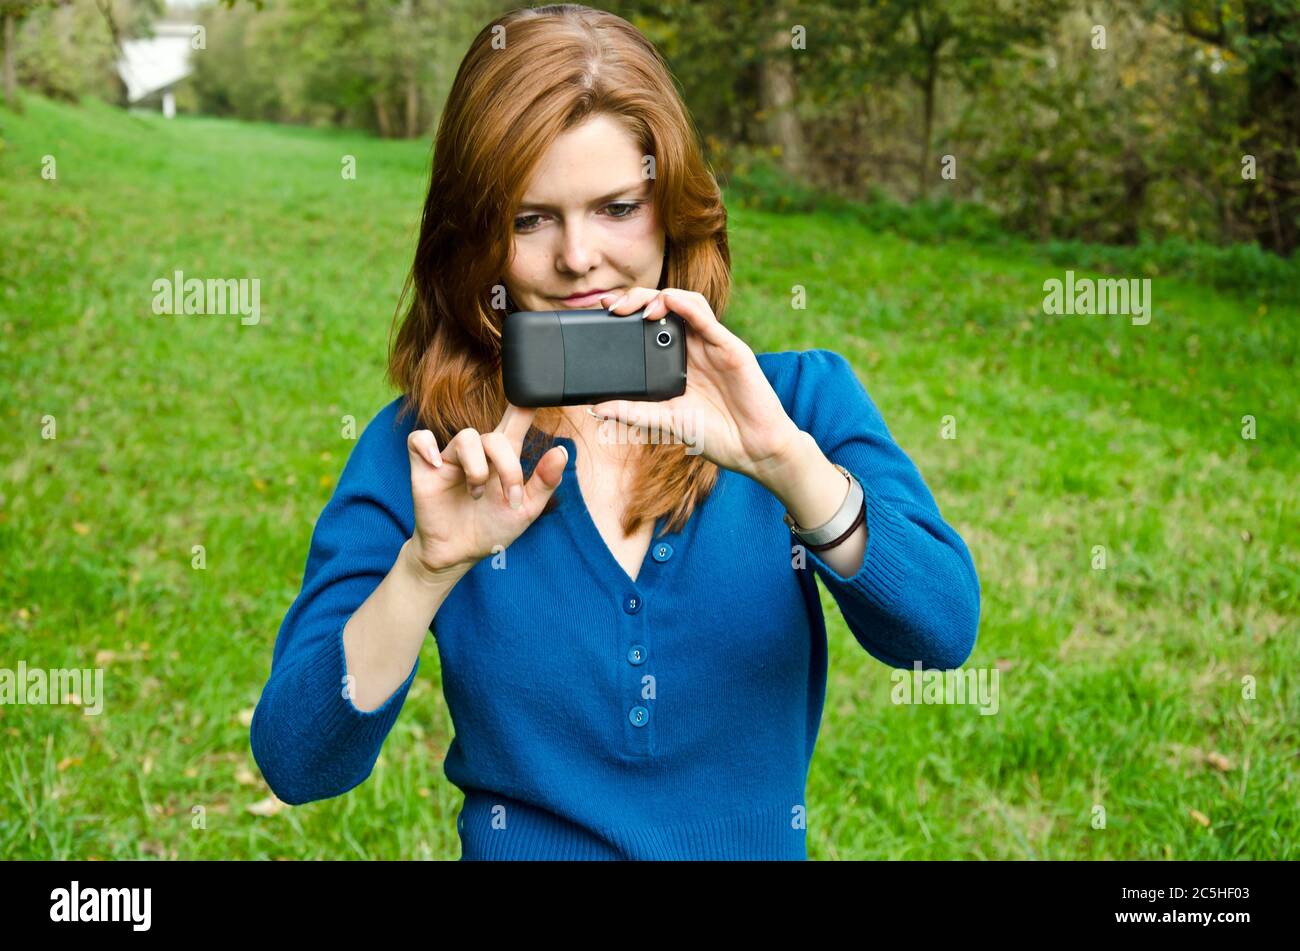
(462, 491)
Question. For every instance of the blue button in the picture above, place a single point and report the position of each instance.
(632, 603)
(662, 551)
(639, 716)
(636, 655)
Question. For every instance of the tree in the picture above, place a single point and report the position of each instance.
(53, 51)
(14, 12)
(1265, 36)
(926, 41)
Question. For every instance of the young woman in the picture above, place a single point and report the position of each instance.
(631, 639)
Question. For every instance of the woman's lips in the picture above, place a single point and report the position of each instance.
(591, 298)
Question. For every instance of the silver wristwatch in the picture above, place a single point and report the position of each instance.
(851, 512)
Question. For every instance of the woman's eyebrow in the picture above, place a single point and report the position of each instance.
(639, 186)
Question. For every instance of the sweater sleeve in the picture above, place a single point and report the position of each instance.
(308, 738)
(916, 596)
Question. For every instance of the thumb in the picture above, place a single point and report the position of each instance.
(546, 478)
(422, 447)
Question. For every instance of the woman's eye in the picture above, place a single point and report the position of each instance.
(630, 208)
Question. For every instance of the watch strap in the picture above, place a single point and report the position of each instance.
(851, 514)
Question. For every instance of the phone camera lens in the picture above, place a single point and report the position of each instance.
(663, 338)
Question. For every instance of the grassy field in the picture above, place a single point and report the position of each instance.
(1121, 688)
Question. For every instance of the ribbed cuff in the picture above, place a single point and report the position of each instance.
(323, 681)
(880, 579)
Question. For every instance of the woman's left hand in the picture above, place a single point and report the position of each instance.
(729, 413)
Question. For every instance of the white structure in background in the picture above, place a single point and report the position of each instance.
(157, 64)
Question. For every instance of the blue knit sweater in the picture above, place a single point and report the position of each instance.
(673, 717)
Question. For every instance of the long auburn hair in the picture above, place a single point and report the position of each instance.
(528, 76)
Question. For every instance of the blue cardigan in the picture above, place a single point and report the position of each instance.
(673, 717)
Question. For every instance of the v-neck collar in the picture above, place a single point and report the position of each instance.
(572, 508)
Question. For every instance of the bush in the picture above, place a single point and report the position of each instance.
(757, 182)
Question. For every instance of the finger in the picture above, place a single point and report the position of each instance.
(514, 424)
(695, 308)
(546, 478)
(423, 449)
(642, 414)
(630, 302)
(506, 463)
(426, 462)
(466, 450)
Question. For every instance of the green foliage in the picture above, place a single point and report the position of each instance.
(1234, 267)
(1009, 104)
(1261, 40)
(759, 183)
(63, 50)
(382, 65)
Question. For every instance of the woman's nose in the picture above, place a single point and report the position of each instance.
(578, 252)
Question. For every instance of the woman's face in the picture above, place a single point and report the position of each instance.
(587, 222)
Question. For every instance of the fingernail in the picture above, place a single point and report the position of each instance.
(618, 300)
(477, 491)
(516, 496)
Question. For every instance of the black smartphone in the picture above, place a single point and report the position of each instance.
(568, 357)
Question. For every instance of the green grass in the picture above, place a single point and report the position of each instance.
(1072, 432)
